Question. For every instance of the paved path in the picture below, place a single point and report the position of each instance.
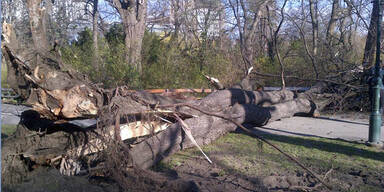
(351, 127)
(10, 114)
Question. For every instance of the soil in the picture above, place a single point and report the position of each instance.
(200, 176)
(50, 180)
(197, 172)
(214, 177)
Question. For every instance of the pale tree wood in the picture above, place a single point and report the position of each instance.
(57, 92)
(37, 20)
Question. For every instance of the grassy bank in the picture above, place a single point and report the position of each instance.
(350, 166)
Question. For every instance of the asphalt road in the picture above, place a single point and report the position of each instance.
(10, 114)
(351, 127)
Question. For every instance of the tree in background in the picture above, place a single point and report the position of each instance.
(95, 17)
(133, 15)
(247, 15)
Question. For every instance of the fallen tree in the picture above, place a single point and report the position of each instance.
(127, 113)
(138, 126)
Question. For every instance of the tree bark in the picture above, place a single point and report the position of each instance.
(370, 44)
(95, 17)
(206, 129)
(315, 26)
(332, 22)
(133, 15)
(54, 90)
(246, 26)
(37, 21)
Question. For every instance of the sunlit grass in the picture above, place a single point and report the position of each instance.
(4, 83)
(239, 153)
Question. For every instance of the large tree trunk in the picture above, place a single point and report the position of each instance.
(95, 18)
(315, 32)
(133, 15)
(332, 22)
(246, 28)
(37, 20)
(206, 129)
(370, 44)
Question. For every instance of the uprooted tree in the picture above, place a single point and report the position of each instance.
(137, 129)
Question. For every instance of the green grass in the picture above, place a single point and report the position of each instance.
(7, 130)
(4, 83)
(241, 154)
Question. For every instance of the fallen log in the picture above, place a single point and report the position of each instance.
(208, 128)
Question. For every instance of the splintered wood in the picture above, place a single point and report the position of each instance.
(139, 129)
(127, 131)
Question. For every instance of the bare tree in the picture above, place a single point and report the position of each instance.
(332, 21)
(275, 37)
(37, 19)
(315, 31)
(133, 16)
(371, 38)
(95, 17)
(246, 23)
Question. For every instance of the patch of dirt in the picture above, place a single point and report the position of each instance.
(50, 180)
(196, 174)
(210, 177)
(225, 177)
(216, 177)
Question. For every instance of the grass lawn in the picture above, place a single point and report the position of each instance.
(354, 167)
(4, 75)
(7, 130)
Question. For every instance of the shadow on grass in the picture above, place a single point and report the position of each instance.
(323, 145)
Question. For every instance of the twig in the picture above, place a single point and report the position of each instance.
(328, 172)
(163, 119)
(187, 131)
(51, 161)
(215, 82)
